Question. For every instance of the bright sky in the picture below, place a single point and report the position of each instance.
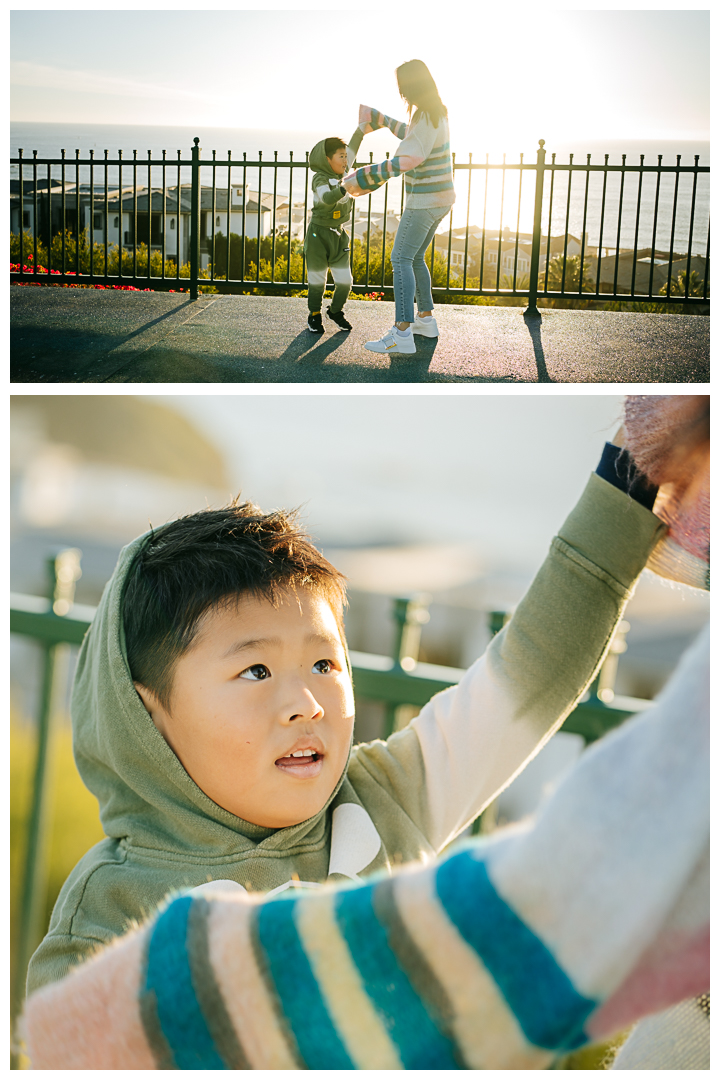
(499, 471)
(503, 74)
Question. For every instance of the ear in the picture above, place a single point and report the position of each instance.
(153, 706)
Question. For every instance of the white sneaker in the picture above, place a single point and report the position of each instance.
(394, 342)
(426, 327)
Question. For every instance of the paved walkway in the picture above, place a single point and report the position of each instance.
(87, 335)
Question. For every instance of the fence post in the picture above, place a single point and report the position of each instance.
(63, 572)
(532, 308)
(410, 616)
(195, 220)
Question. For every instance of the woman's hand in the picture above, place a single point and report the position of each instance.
(364, 119)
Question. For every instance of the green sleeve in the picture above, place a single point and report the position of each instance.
(354, 145)
(470, 741)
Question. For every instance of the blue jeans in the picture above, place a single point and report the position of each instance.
(411, 277)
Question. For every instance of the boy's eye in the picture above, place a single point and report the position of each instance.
(256, 672)
(323, 667)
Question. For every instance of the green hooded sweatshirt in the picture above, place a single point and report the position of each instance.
(332, 207)
(398, 801)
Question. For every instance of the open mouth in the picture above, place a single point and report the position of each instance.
(303, 763)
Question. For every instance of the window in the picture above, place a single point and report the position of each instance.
(116, 223)
(172, 222)
(97, 221)
(217, 222)
(26, 219)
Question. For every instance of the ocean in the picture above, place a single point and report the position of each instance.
(506, 205)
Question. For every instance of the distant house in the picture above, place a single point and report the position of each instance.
(660, 264)
(140, 216)
(376, 224)
(22, 218)
(513, 250)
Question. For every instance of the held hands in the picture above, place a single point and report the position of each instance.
(351, 185)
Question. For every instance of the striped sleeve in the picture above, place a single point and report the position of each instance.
(503, 955)
(416, 146)
(372, 120)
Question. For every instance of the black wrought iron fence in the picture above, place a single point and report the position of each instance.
(622, 231)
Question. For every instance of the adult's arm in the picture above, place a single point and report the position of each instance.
(417, 144)
(502, 956)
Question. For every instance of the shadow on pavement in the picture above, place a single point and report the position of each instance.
(307, 349)
(534, 325)
(414, 368)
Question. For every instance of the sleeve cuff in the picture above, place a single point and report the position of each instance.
(613, 531)
(618, 468)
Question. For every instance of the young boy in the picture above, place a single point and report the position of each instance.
(327, 245)
(213, 711)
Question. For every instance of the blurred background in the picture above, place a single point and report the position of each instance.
(454, 496)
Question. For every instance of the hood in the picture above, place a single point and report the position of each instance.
(144, 793)
(318, 162)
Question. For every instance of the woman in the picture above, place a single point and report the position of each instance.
(424, 156)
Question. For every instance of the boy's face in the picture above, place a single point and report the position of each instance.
(258, 685)
(338, 162)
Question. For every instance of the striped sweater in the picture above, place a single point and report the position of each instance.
(502, 956)
(423, 157)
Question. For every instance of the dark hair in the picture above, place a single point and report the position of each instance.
(417, 87)
(331, 145)
(207, 559)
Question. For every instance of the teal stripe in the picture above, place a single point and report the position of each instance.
(444, 161)
(439, 150)
(363, 180)
(421, 1045)
(550, 1011)
(428, 189)
(396, 126)
(169, 980)
(298, 992)
(422, 171)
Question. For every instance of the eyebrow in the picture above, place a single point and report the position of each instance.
(249, 643)
(254, 643)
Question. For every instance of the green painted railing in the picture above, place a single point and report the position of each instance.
(398, 681)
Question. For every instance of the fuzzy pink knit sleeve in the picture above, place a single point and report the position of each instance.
(668, 436)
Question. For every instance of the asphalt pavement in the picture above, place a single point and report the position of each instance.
(87, 335)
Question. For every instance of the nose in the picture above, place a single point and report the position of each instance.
(301, 705)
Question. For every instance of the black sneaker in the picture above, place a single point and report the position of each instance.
(315, 324)
(339, 318)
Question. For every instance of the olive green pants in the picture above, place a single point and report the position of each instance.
(327, 249)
